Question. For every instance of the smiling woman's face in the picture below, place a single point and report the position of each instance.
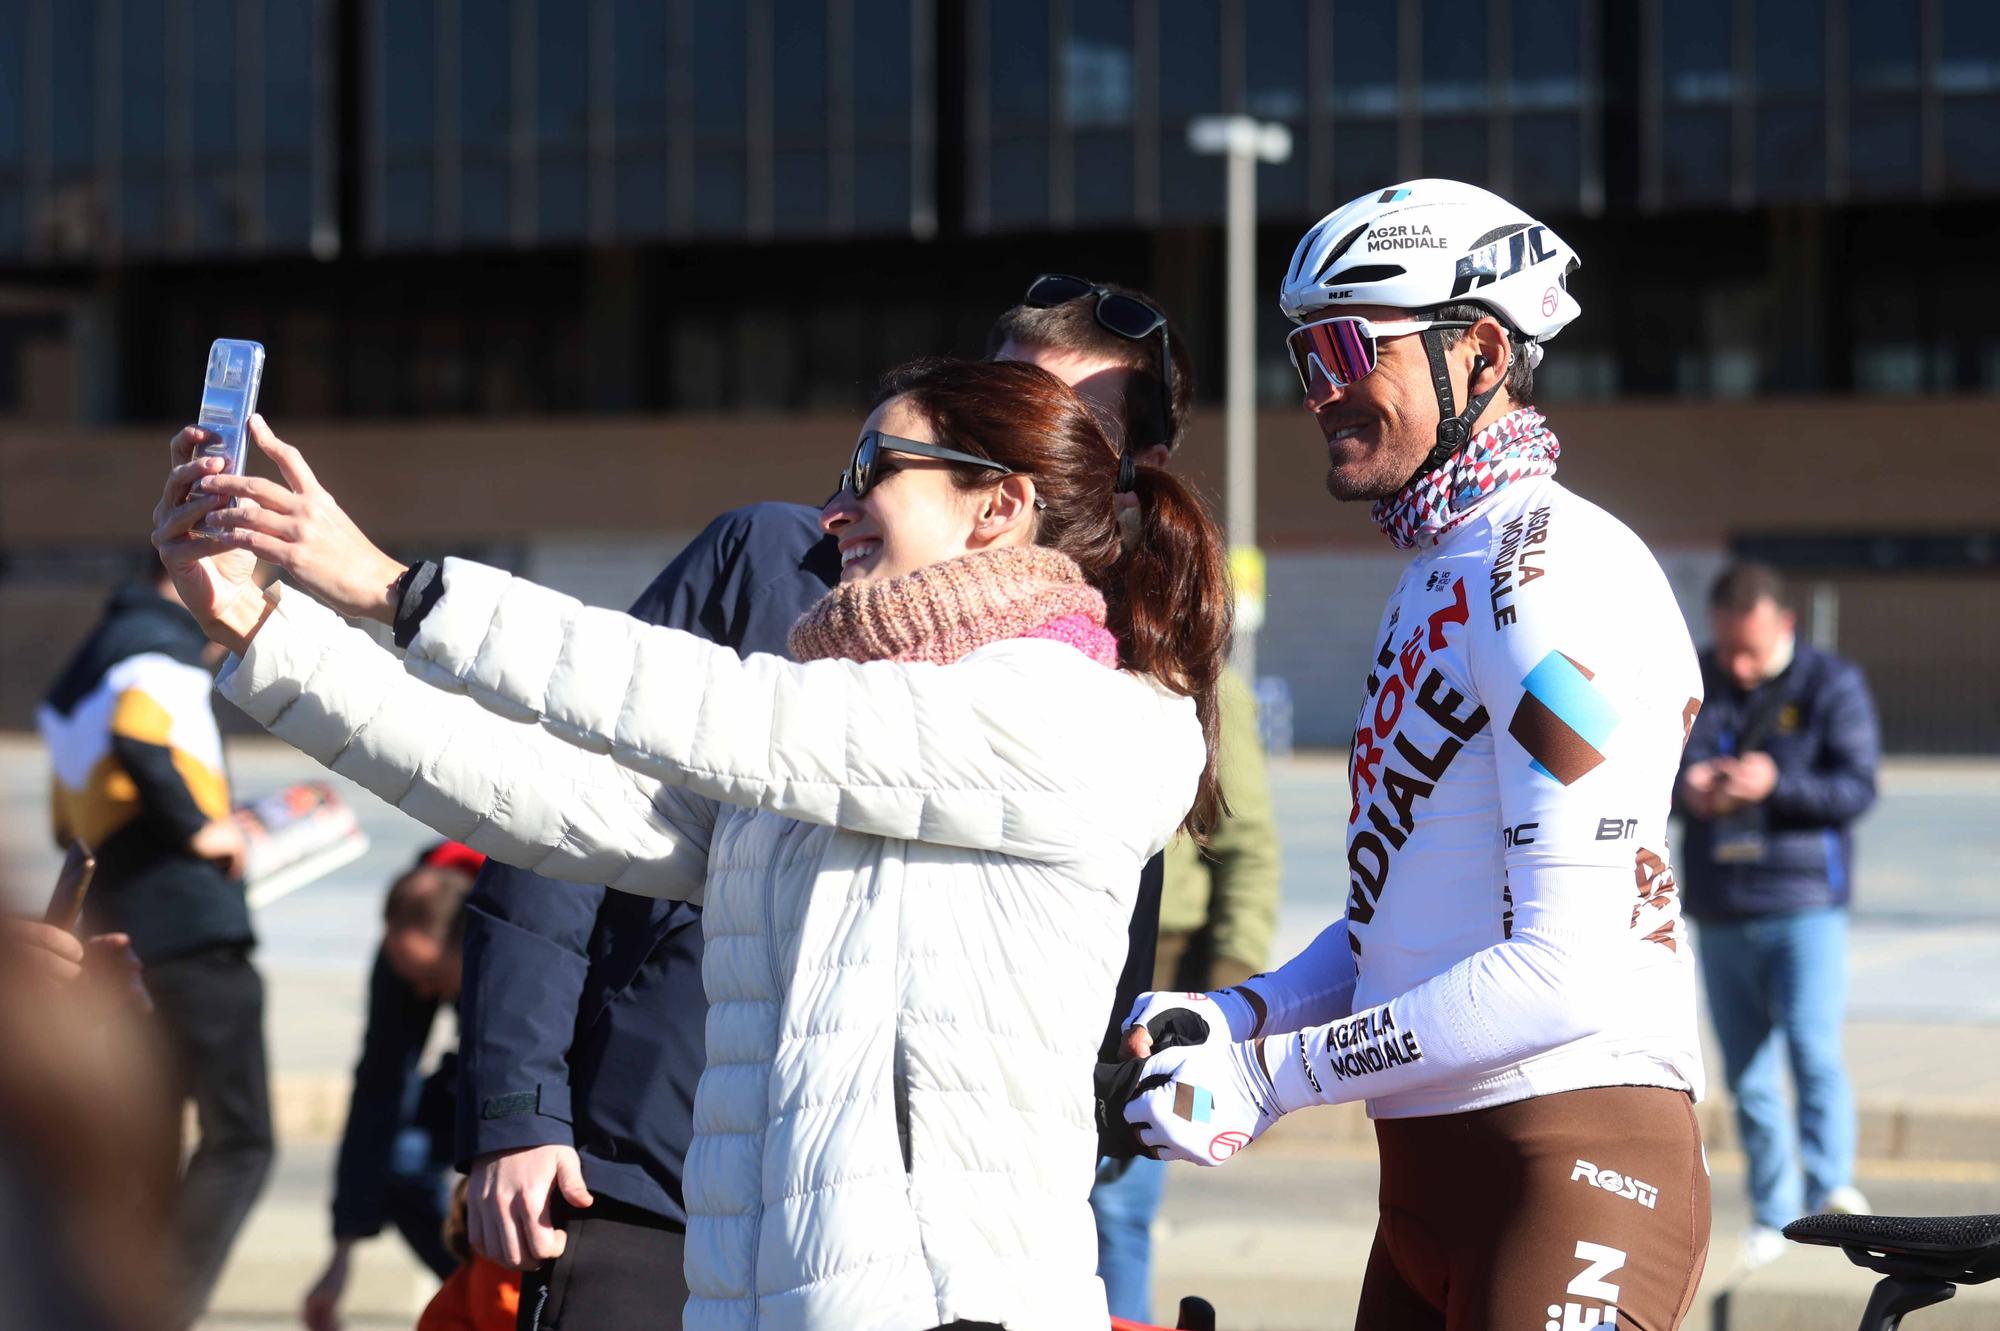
(913, 516)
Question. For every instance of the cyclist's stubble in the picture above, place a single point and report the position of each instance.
(1380, 428)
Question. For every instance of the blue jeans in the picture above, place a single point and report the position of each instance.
(1784, 974)
(1126, 1199)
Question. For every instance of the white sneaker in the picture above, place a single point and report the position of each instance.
(1762, 1245)
(1845, 1200)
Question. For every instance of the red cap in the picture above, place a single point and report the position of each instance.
(452, 855)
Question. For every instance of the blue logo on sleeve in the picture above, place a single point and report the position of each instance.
(1563, 720)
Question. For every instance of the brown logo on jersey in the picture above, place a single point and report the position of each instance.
(1658, 893)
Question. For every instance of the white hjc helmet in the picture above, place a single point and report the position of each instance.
(1426, 243)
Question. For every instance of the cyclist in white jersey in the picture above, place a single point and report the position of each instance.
(1510, 989)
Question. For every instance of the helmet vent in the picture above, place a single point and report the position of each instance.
(1374, 272)
(1333, 255)
(1497, 233)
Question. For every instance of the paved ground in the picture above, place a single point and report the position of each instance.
(1278, 1237)
(1276, 1241)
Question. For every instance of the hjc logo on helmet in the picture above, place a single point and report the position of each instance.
(1526, 247)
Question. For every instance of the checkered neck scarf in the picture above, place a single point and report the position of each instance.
(1516, 446)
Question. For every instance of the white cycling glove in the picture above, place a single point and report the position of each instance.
(1224, 1017)
(1204, 1103)
(1312, 989)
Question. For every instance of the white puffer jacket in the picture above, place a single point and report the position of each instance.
(915, 878)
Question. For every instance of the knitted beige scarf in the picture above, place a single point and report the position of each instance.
(942, 612)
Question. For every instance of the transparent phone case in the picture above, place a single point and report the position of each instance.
(228, 398)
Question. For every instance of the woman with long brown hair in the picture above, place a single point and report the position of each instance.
(915, 846)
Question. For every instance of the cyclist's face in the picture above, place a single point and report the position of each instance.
(1379, 428)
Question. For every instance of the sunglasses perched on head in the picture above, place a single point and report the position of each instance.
(1127, 316)
(865, 467)
(1339, 352)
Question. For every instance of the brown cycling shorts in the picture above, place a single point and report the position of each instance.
(1543, 1215)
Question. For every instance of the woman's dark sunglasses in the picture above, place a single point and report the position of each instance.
(864, 469)
(1127, 316)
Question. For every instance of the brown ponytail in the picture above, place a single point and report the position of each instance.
(1173, 611)
(1167, 592)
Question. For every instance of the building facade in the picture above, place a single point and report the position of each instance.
(647, 223)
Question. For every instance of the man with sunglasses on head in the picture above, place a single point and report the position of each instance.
(1119, 352)
(1116, 348)
(1511, 990)
(1205, 915)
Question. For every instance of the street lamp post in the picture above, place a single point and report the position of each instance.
(1245, 142)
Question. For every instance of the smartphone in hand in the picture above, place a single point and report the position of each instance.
(72, 885)
(228, 398)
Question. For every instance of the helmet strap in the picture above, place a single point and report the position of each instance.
(1454, 429)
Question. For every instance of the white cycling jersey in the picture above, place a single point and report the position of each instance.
(1512, 926)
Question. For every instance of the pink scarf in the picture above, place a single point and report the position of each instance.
(950, 609)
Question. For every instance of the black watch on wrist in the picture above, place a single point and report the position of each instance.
(420, 587)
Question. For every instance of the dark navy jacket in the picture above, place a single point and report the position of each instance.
(581, 1021)
(387, 1098)
(1796, 849)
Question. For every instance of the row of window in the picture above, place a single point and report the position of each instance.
(554, 122)
(218, 126)
(140, 125)
(1885, 300)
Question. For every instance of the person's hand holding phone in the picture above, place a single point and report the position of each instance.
(299, 527)
(61, 958)
(215, 580)
(296, 526)
(43, 949)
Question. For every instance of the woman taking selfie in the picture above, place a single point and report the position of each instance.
(915, 847)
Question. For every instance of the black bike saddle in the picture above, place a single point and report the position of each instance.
(1963, 1249)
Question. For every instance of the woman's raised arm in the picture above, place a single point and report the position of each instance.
(1028, 748)
(506, 787)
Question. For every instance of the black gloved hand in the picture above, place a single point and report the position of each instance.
(1118, 1084)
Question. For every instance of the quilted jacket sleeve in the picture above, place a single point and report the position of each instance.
(1025, 748)
(500, 783)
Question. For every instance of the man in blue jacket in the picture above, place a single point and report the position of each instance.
(1779, 764)
(582, 1015)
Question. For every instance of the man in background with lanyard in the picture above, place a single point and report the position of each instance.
(1780, 764)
